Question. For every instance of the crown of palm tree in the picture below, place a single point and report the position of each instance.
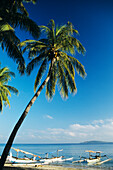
(59, 43)
(5, 76)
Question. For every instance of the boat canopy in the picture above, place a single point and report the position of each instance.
(93, 151)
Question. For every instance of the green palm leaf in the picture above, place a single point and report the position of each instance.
(12, 89)
(35, 62)
(1, 102)
(41, 71)
(5, 90)
(62, 83)
(79, 67)
(9, 42)
(25, 23)
(50, 86)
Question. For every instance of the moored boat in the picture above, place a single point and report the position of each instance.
(94, 159)
(26, 160)
(17, 160)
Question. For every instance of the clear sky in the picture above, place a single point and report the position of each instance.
(89, 114)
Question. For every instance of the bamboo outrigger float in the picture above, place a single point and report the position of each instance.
(94, 159)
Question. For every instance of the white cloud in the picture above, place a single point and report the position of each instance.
(83, 127)
(96, 130)
(55, 131)
(49, 117)
(98, 121)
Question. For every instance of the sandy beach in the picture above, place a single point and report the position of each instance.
(46, 167)
(41, 167)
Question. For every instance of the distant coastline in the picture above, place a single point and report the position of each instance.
(96, 142)
(80, 143)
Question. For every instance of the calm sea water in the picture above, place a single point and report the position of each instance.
(69, 150)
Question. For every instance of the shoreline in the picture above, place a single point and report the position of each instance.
(46, 167)
(40, 167)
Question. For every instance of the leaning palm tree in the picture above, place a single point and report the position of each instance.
(5, 89)
(12, 15)
(51, 56)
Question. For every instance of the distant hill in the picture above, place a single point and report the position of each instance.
(96, 142)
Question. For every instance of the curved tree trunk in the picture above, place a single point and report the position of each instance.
(21, 119)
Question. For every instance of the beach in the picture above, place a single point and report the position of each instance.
(47, 167)
(41, 167)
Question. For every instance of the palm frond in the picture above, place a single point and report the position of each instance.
(3, 70)
(24, 43)
(33, 1)
(60, 30)
(78, 45)
(34, 47)
(5, 99)
(44, 28)
(64, 57)
(5, 90)
(9, 42)
(5, 27)
(69, 74)
(22, 8)
(25, 23)
(12, 89)
(1, 102)
(52, 25)
(79, 67)
(41, 72)
(49, 33)
(71, 82)
(62, 83)
(50, 86)
(7, 73)
(35, 62)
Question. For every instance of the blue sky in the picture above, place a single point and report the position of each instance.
(89, 114)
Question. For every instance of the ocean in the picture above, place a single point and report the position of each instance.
(69, 150)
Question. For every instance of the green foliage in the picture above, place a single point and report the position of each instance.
(5, 76)
(13, 14)
(58, 44)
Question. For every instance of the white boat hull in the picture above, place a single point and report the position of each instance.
(51, 160)
(66, 159)
(92, 161)
(18, 161)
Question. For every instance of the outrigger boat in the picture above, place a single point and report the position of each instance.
(93, 159)
(26, 160)
(54, 159)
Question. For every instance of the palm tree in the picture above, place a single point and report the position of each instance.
(5, 89)
(52, 54)
(12, 15)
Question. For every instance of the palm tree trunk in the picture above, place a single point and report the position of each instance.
(21, 119)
